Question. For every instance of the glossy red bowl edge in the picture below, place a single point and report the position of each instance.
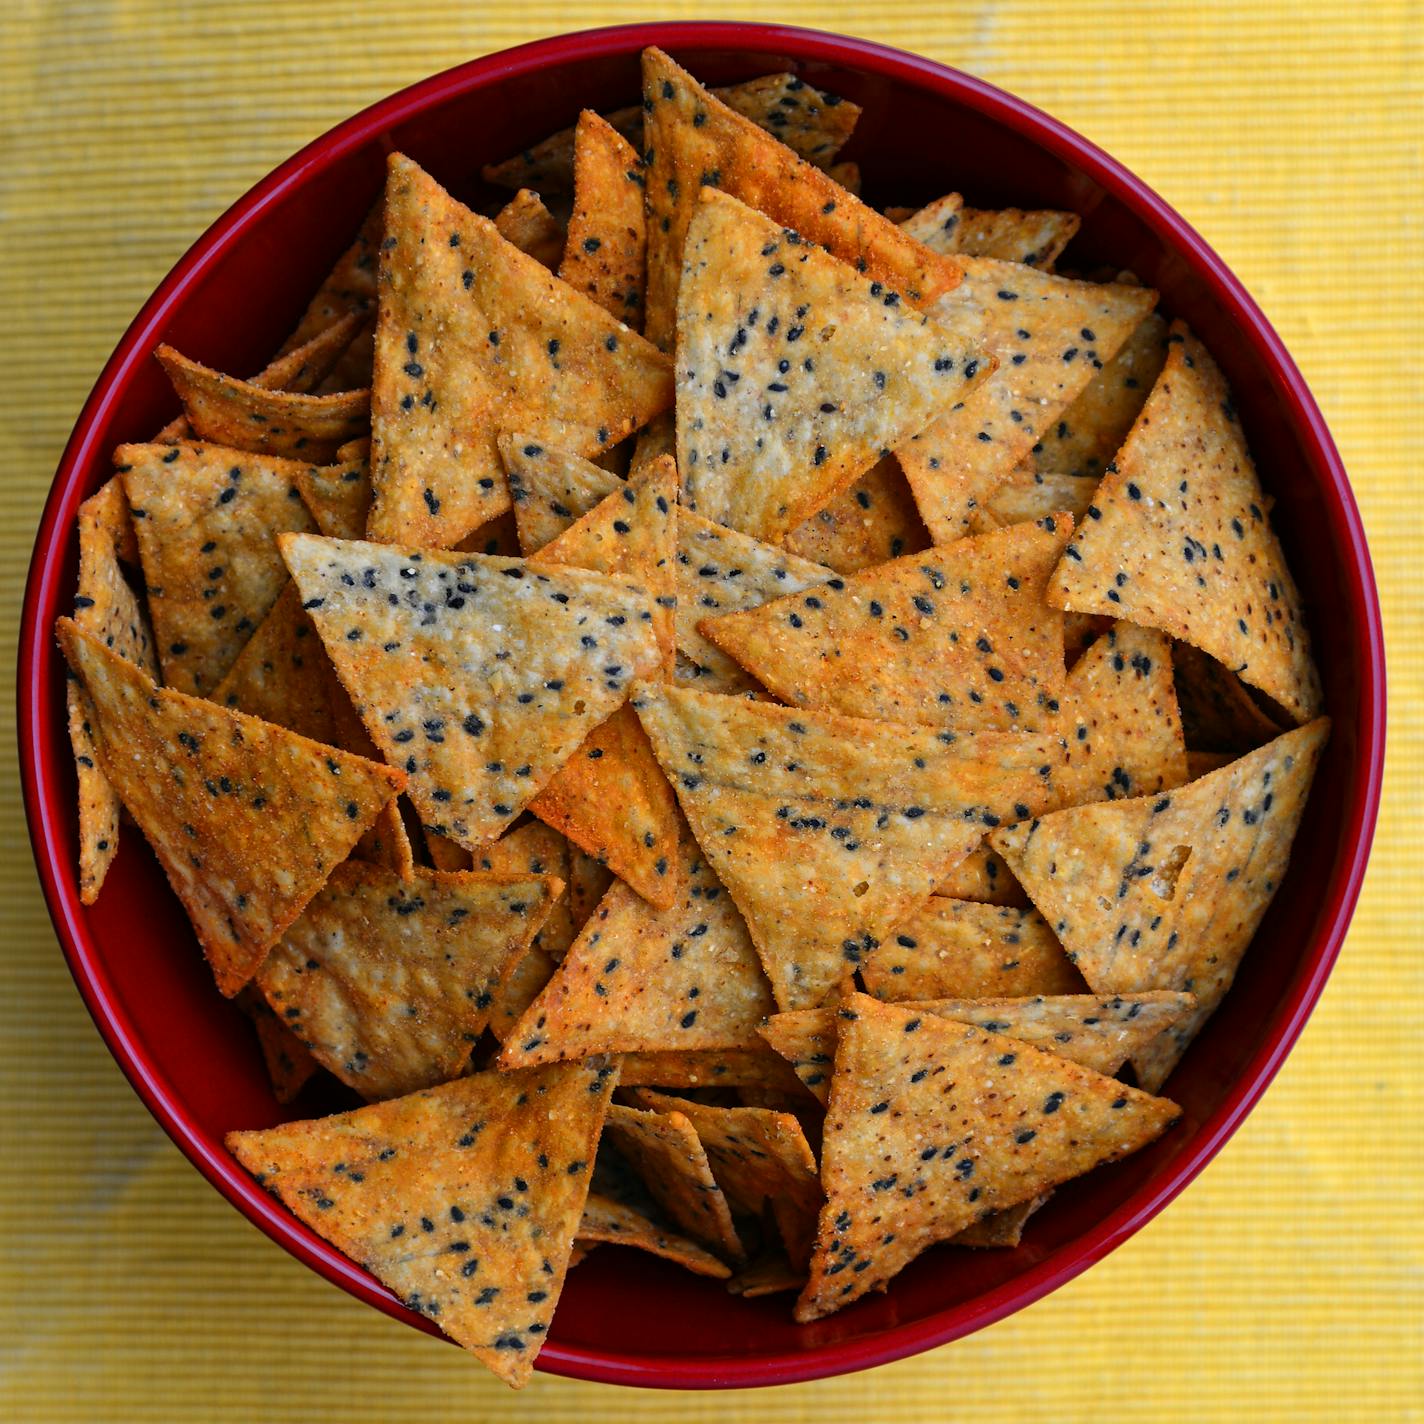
(47, 770)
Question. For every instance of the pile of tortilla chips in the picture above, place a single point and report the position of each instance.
(734, 721)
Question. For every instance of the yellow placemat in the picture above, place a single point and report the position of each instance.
(1289, 1281)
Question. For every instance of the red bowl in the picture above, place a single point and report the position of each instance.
(191, 1056)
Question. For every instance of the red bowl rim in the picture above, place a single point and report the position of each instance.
(37, 651)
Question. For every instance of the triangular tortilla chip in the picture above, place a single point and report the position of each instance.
(641, 979)
(288, 1062)
(305, 368)
(956, 949)
(758, 1157)
(283, 675)
(794, 371)
(813, 124)
(615, 1223)
(349, 287)
(247, 819)
(983, 876)
(1050, 337)
(1032, 238)
(875, 520)
(1178, 538)
(1028, 495)
(1090, 432)
(523, 984)
(715, 1068)
(1001, 1230)
(958, 638)
(1165, 892)
(387, 842)
(525, 222)
(498, 537)
(1201, 764)
(722, 571)
(588, 884)
(846, 175)
(605, 255)
(657, 437)
(105, 606)
(339, 496)
(691, 138)
(475, 337)
(207, 518)
(464, 1200)
(389, 984)
(1121, 724)
(479, 676)
(551, 489)
(610, 798)
(908, 1161)
(356, 365)
(536, 849)
(1218, 713)
(244, 416)
(1101, 1034)
(664, 1150)
(771, 1274)
(828, 830)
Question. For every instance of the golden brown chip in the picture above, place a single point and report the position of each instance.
(1028, 495)
(873, 521)
(551, 489)
(1218, 713)
(1000, 1229)
(535, 849)
(692, 137)
(476, 337)
(532, 228)
(983, 876)
(339, 496)
(207, 519)
(912, 1156)
(964, 950)
(287, 1059)
(1165, 892)
(479, 676)
(389, 983)
(957, 638)
(1034, 239)
(794, 372)
(464, 1199)
(1050, 336)
(521, 987)
(829, 831)
(605, 254)
(247, 819)
(614, 1223)
(716, 1068)
(1178, 538)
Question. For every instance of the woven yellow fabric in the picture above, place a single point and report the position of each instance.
(1289, 1281)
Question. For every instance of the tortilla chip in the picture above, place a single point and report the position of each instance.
(389, 984)
(663, 1148)
(588, 884)
(958, 638)
(536, 849)
(1091, 431)
(356, 365)
(477, 675)
(640, 979)
(305, 368)
(1000, 1229)
(105, 606)
(829, 831)
(1165, 892)
(847, 176)
(464, 1199)
(532, 228)
(605, 255)
(955, 949)
(1101, 1034)
(1218, 713)
(767, 1275)
(610, 798)
(355, 452)
(551, 489)
(1201, 764)
(244, 416)
(246, 819)
(1028, 495)
(288, 1062)
(657, 437)
(908, 1161)
(691, 137)
(1201, 563)
(720, 1068)
(498, 537)
(759, 1157)
(811, 123)
(1124, 736)
(283, 675)
(339, 496)
(722, 571)
(206, 518)
(387, 843)
(349, 287)
(615, 1224)
(876, 519)
(475, 337)
(983, 876)
(1034, 325)
(772, 423)
(1034, 239)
